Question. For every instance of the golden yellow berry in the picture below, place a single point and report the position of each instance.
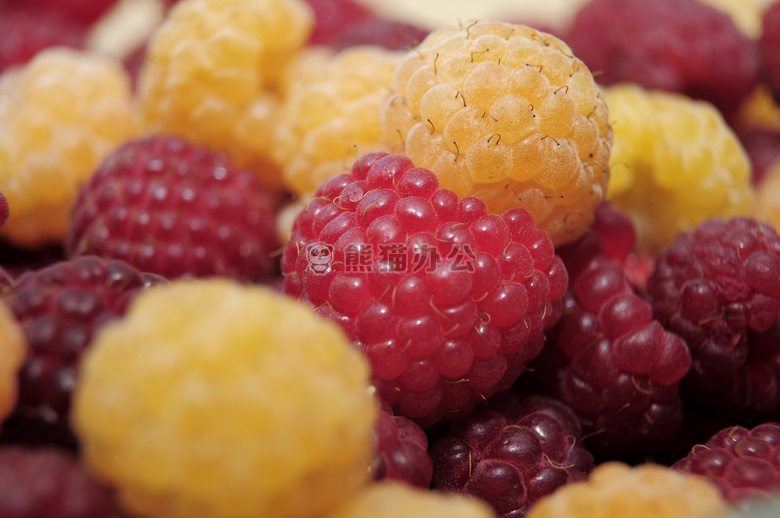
(675, 163)
(60, 115)
(12, 352)
(214, 399)
(505, 113)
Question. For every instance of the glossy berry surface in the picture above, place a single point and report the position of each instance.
(507, 114)
(60, 308)
(449, 303)
(49, 483)
(169, 207)
(718, 287)
(616, 490)
(673, 45)
(741, 462)
(512, 453)
(402, 450)
(249, 404)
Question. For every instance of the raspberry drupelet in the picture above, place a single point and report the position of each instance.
(449, 303)
(507, 114)
(512, 453)
(718, 287)
(402, 450)
(741, 462)
(607, 357)
(172, 208)
(60, 308)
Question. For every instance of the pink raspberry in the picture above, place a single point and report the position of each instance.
(769, 48)
(718, 287)
(448, 303)
(26, 31)
(743, 463)
(60, 308)
(175, 209)
(402, 450)
(84, 11)
(49, 483)
(680, 46)
(511, 453)
(607, 357)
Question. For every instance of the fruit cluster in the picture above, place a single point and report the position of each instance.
(294, 259)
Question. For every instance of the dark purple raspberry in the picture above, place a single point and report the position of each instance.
(744, 464)
(769, 48)
(511, 453)
(379, 31)
(332, 16)
(402, 450)
(718, 287)
(682, 46)
(60, 308)
(49, 483)
(176, 209)
(26, 31)
(609, 359)
(448, 303)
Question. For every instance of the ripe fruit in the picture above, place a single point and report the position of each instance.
(682, 46)
(85, 11)
(168, 207)
(331, 17)
(718, 287)
(12, 353)
(215, 399)
(377, 30)
(208, 71)
(615, 490)
(447, 302)
(674, 164)
(60, 115)
(769, 48)
(506, 114)
(330, 113)
(49, 483)
(60, 307)
(392, 499)
(768, 196)
(512, 453)
(742, 463)
(402, 450)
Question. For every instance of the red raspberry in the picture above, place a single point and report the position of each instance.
(175, 209)
(680, 46)
(332, 16)
(4, 210)
(448, 303)
(379, 31)
(610, 360)
(763, 149)
(718, 287)
(49, 483)
(511, 453)
(26, 31)
(84, 11)
(402, 450)
(769, 48)
(60, 307)
(742, 463)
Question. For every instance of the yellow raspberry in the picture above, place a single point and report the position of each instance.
(674, 164)
(60, 115)
(210, 69)
(747, 14)
(505, 113)
(616, 490)
(214, 399)
(392, 499)
(12, 352)
(331, 113)
(768, 198)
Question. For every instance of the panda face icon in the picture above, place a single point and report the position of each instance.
(319, 255)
